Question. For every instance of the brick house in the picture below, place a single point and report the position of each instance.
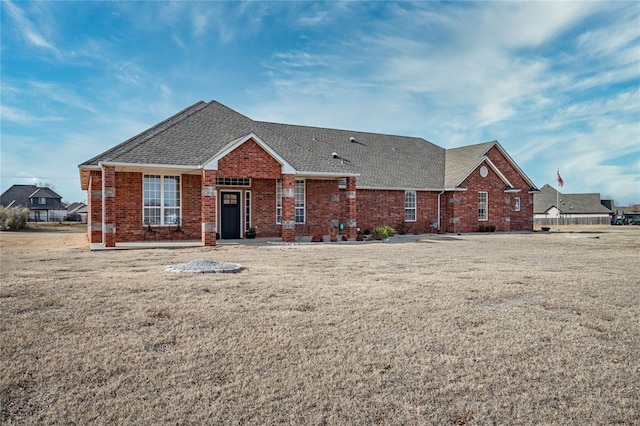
(214, 173)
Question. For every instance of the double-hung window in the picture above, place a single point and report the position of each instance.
(161, 200)
(300, 202)
(483, 204)
(247, 209)
(410, 206)
(279, 201)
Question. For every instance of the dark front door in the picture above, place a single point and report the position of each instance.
(230, 215)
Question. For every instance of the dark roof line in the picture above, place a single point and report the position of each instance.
(151, 132)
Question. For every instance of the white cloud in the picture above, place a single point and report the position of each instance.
(30, 34)
(17, 115)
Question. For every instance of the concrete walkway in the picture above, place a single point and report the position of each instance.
(137, 245)
(273, 241)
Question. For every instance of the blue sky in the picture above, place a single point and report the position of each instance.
(557, 83)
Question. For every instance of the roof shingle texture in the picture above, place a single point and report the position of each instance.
(588, 203)
(19, 195)
(195, 135)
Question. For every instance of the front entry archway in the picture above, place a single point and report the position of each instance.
(230, 215)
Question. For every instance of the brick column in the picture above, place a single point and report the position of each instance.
(94, 207)
(288, 208)
(209, 207)
(352, 211)
(109, 206)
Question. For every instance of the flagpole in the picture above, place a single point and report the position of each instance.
(559, 184)
(558, 203)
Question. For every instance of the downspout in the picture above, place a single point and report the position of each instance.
(439, 210)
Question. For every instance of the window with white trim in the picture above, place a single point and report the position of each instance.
(226, 181)
(410, 206)
(516, 206)
(161, 200)
(300, 201)
(483, 204)
(279, 201)
(247, 209)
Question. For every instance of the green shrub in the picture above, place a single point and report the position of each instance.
(384, 231)
(13, 218)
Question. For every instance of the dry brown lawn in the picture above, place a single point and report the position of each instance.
(471, 329)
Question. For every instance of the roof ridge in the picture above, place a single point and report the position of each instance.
(475, 145)
(153, 131)
(342, 130)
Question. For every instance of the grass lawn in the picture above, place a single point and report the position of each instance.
(462, 329)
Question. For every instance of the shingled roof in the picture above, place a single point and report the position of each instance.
(197, 134)
(20, 195)
(548, 197)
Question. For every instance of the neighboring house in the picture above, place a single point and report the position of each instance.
(44, 203)
(552, 207)
(215, 173)
(76, 212)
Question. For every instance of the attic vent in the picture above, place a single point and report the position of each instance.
(315, 139)
(352, 139)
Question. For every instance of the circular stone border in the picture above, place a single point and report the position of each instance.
(204, 266)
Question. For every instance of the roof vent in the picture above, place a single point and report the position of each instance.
(334, 154)
(352, 139)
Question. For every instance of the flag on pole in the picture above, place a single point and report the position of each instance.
(560, 181)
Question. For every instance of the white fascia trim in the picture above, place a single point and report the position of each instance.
(513, 163)
(212, 164)
(81, 167)
(381, 188)
(161, 169)
(493, 166)
(327, 175)
(146, 165)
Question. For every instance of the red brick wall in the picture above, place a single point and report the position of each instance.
(209, 208)
(94, 207)
(263, 208)
(324, 203)
(386, 207)
(128, 207)
(191, 213)
(462, 207)
(522, 220)
(321, 207)
(249, 160)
